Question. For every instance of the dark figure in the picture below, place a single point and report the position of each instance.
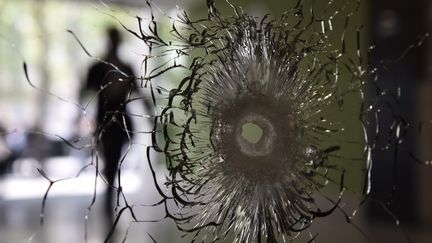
(114, 80)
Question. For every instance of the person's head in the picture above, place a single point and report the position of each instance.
(114, 38)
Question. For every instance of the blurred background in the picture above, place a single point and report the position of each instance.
(35, 32)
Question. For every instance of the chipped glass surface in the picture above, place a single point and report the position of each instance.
(288, 76)
(259, 127)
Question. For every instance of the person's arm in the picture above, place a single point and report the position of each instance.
(91, 83)
(88, 89)
(146, 100)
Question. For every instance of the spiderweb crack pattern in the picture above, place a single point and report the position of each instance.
(283, 75)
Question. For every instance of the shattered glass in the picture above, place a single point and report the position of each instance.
(260, 127)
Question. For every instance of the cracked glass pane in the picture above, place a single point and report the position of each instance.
(225, 122)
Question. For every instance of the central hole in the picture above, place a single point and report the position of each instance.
(251, 132)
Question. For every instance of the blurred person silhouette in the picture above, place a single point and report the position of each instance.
(114, 81)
